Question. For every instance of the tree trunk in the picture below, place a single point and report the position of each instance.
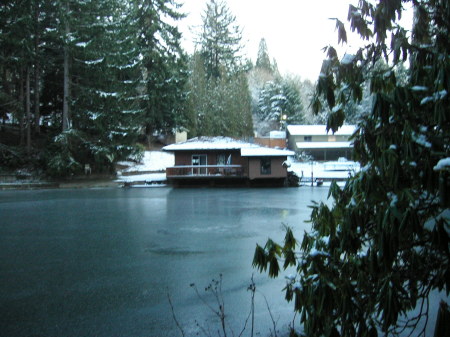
(65, 117)
(28, 110)
(66, 112)
(37, 102)
(7, 90)
(22, 108)
(37, 72)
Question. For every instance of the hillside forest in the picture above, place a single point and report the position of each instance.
(95, 82)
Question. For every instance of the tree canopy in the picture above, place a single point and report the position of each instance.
(219, 100)
(378, 252)
(280, 101)
(263, 58)
(85, 79)
(219, 39)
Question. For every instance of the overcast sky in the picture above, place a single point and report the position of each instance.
(295, 30)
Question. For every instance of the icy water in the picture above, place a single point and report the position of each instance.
(101, 262)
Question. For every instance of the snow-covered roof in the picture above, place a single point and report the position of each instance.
(209, 143)
(277, 134)
(319, 130)
(324, 145)
(225, 143)
(265, 152)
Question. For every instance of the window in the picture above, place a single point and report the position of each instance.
(223, 159)
(307, 138)
(266, 166)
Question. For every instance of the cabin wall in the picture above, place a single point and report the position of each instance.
(276, 168)
(183, 158)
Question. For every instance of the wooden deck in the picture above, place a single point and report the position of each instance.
(205, 172)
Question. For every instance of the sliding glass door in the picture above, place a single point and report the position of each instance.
(199, 160)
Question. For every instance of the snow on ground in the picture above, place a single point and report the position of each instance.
(143, 177)
(324, 170)
(154, 163)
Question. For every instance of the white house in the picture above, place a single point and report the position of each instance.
(314, 140)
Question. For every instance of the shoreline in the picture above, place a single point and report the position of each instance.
(78, 182)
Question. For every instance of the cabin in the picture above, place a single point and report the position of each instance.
(226, 161)
(314, 140)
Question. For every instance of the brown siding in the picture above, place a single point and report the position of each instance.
(277, 169)
(185, 158)
(271, 142)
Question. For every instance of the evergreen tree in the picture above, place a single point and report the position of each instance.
(17, 54)
(219, 97)
(220, 39)
(271, 102)
(220, 107)
(100, 71)
(263, 59)
(293, 108)
(382, 248)
(280, 103)
(95, 70)
(198, 98)
(164, 65)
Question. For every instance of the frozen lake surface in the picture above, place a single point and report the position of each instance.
(100, 262)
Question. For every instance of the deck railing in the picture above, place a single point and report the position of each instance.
(211, 171)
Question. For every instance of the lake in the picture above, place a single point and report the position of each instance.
(101, 262)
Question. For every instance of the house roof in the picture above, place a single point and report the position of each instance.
(209, 143)
(277, 134)
(226, 143)
(265, 152)
(324, 145)
(319, 130)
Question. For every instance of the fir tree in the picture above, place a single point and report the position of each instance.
(263, 59)
(280, 102)
(100, 67)
(220, 39)
(164, 64)
(219, 97)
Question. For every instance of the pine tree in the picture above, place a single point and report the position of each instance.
(382, 248)
(100, 67)
(95, 70)
(263, 59)
(271, 102)
(164, 64)
(17, 63)
(220, 39)
(219, 97)
(280, 102)
(293, 109)
(197, 87)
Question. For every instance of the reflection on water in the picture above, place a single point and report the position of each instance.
(100, 262)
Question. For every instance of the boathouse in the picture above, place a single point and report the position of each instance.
(225, 161)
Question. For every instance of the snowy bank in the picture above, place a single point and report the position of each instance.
(324, 170)
(154, 163)
(150, 170)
